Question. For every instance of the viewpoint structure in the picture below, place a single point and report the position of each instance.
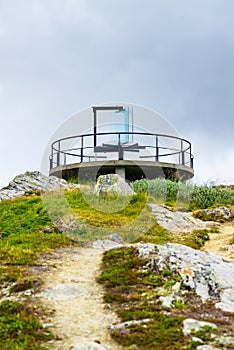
(117, 142)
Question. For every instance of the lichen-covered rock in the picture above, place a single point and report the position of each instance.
(112, 185)
(176, 221)
(32, 181)
(207, 274)
(220, 214)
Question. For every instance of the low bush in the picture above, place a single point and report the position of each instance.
(195, 197)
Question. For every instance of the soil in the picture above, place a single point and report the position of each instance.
(80, 316)
(219, 242)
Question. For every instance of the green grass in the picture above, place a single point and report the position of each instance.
(22, 240)
(19, 327)
(195, 240)
(103, 212)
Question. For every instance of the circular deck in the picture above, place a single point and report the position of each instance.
(133, 170)
(148, 156)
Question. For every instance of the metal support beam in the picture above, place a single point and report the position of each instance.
(101, 108)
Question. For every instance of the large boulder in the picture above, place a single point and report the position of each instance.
(112, 185)
(32, 181)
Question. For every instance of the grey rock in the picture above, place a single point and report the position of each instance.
(116, 238)
(176, 287)
(106, 244)
(227, 300)
(191, 324)
(215, 214)
(88, 345)
(68, 224)
(32, 181)
(112, 185)
(206, 347)
(64, 291)
(225, 340)
(198, 340)
(177, 221)
(167, 301)
(209, 275)
(129, 324)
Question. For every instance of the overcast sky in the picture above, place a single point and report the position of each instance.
(58, 57)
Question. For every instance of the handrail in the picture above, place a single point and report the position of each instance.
(58, 150)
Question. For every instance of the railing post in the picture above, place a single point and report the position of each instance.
(82, 149)
(120, 148)
(182, 153)
(58, 154)
(191, 158)
(157, 150)
(191, 162)
(51, 161)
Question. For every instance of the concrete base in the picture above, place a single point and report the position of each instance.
(132, 170)
(120, 171)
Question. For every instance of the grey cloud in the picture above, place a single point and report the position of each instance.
(57, 57)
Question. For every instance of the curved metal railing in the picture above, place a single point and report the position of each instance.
(155, 147)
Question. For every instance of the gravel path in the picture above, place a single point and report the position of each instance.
(80, 318)
(219, 242)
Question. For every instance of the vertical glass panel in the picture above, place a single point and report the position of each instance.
(120, 123)
(113, 121)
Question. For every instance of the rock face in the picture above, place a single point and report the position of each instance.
(31, 181)
(190, 324)
(220, 214)
(177, 221)
(210, 276)
(112, 185)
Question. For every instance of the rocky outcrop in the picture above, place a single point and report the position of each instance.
(220, 214)
(176, 221)
(32, 181)
(112, 185)
(208, 275)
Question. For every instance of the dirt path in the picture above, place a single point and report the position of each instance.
(80, 318)
(219, 242)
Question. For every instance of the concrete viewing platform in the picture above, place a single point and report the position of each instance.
(131, 170)
(116, 144)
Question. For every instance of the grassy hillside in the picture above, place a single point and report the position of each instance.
(22, 238)
(26, 231)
